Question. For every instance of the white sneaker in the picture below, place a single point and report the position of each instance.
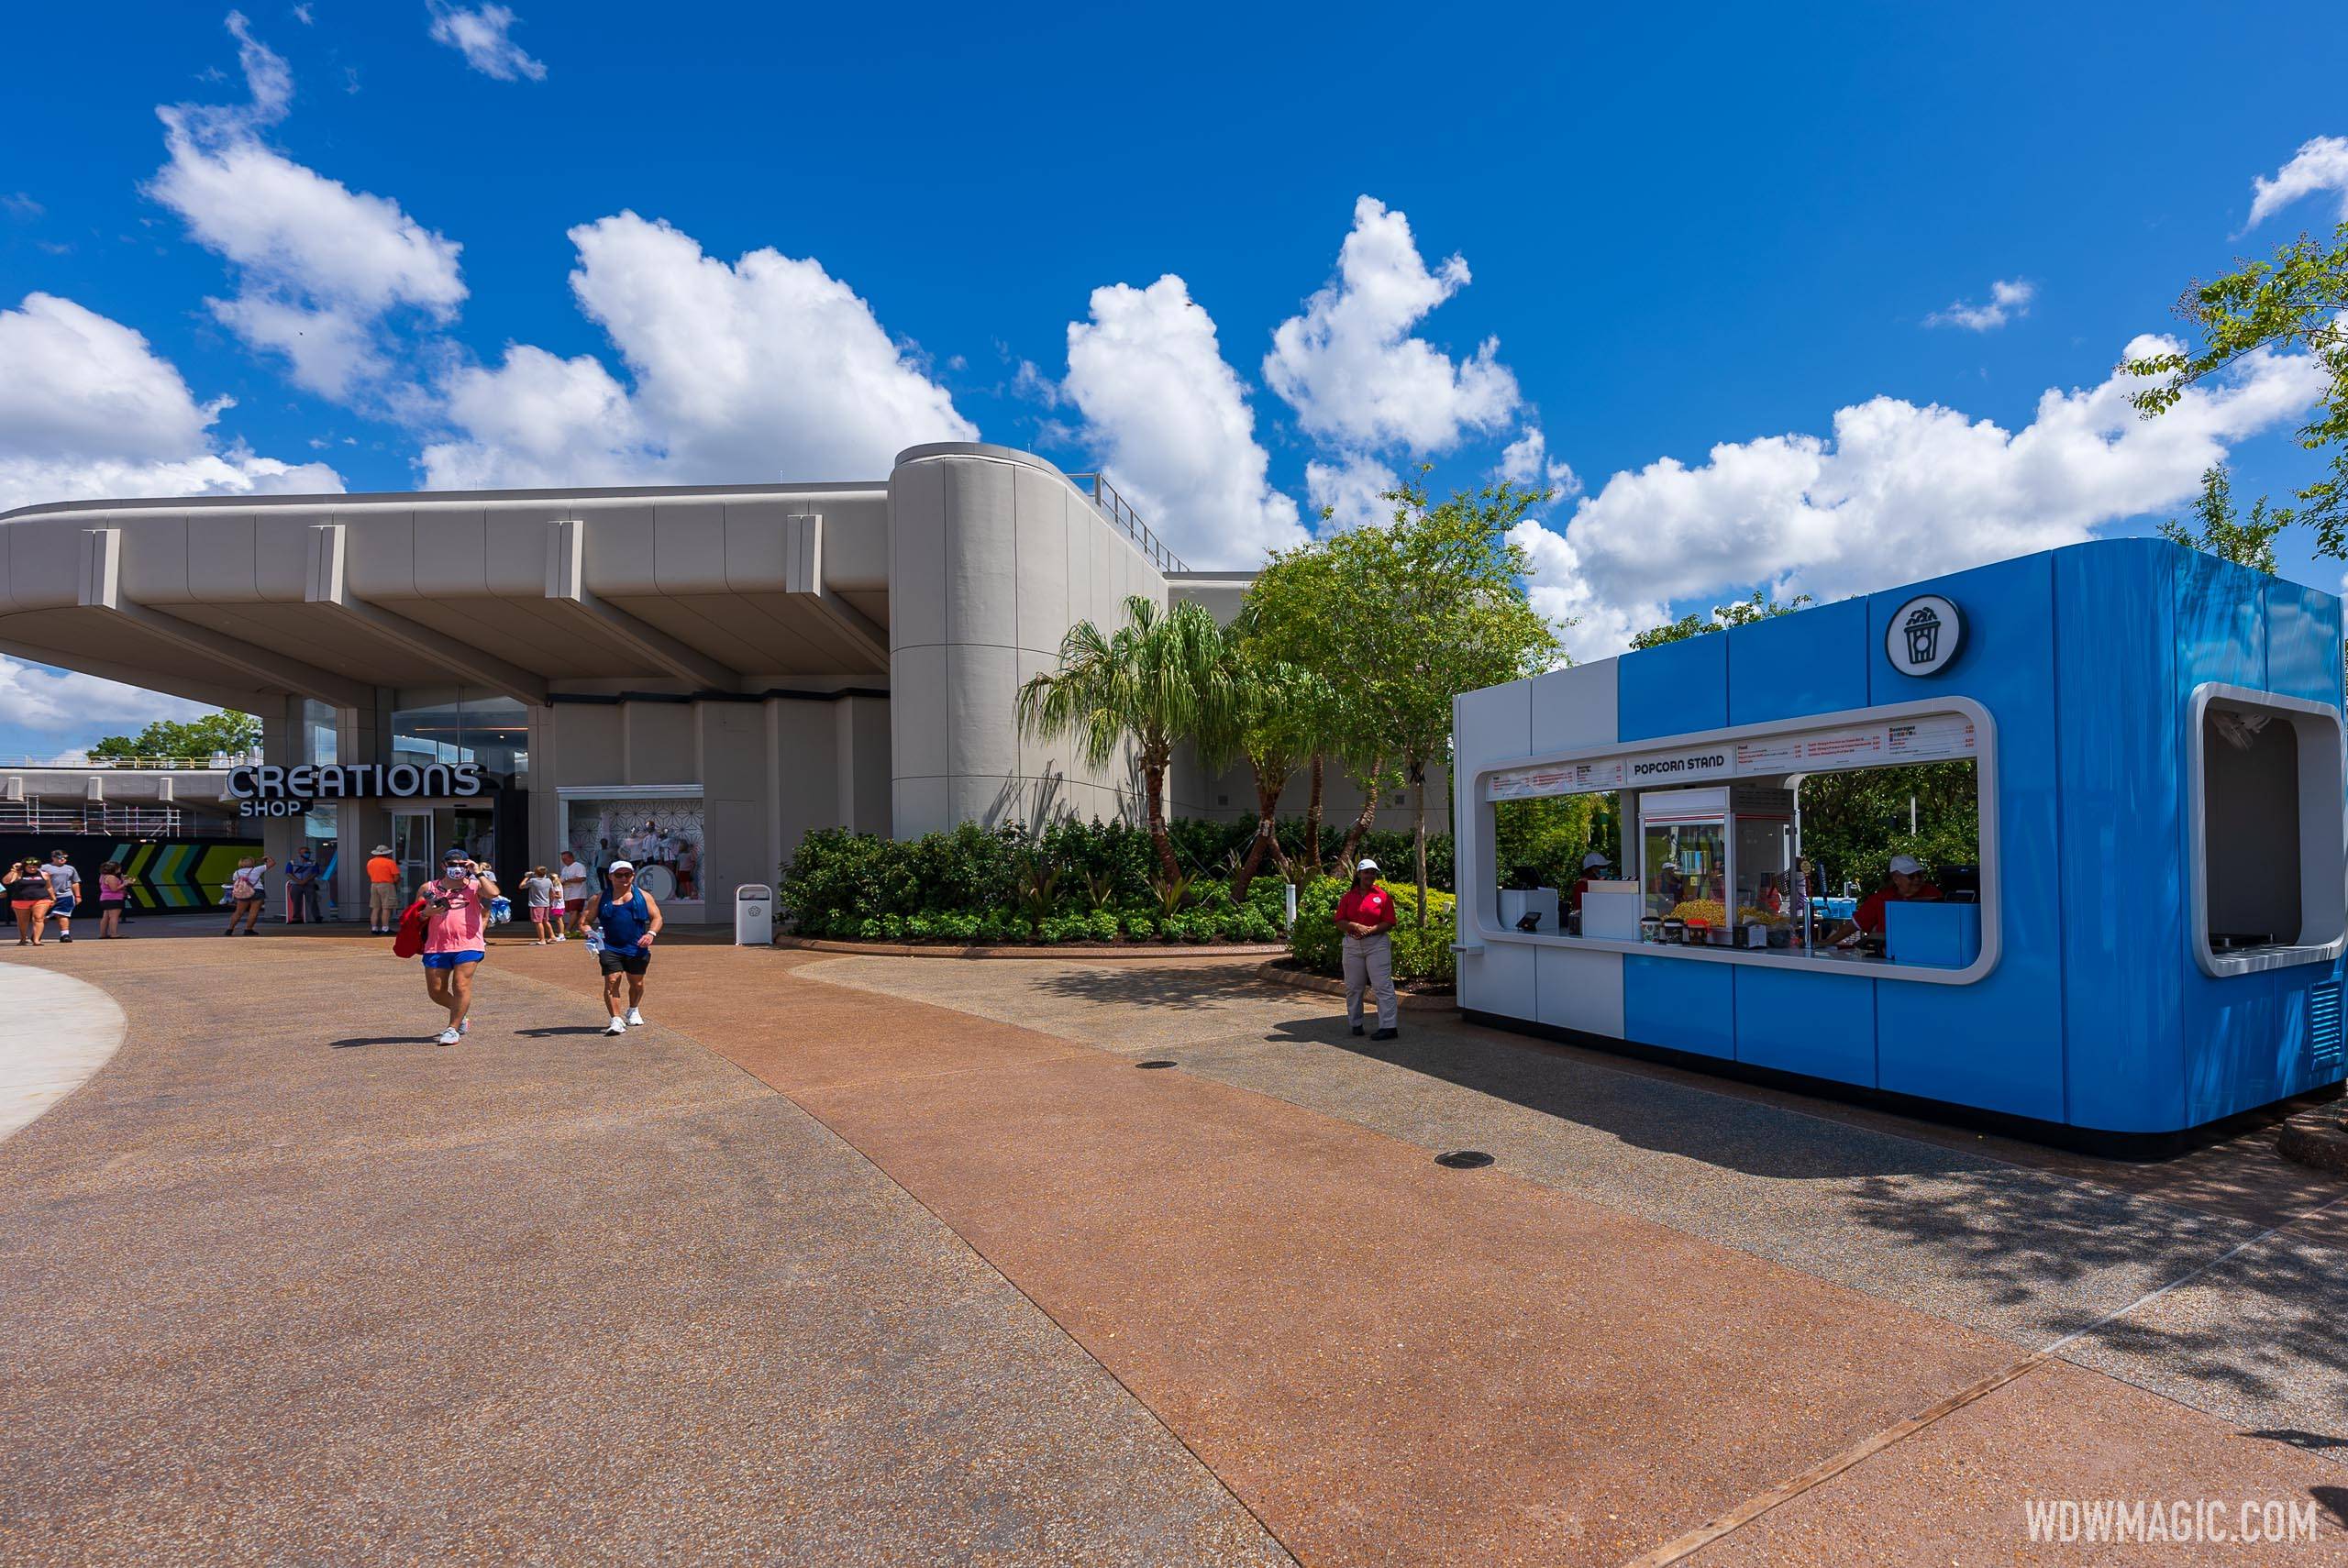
(616, 1028)
(635, 1016)
(559, 936)
(449, 1037)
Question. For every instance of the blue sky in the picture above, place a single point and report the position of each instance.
(1701, 253)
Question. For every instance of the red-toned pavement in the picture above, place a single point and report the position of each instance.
(1384, 1361)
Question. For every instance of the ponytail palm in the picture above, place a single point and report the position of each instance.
(1159, 681)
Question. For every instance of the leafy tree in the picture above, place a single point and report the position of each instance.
(1287, 618)
(1400, 619)
(2248, 544)
(224, 733)
(1277, 713)
(1548, 835)
(1742, 612)
(1853, 821)
(2295, 301)
(1157, 681)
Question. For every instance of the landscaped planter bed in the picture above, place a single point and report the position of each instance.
(1110, 950)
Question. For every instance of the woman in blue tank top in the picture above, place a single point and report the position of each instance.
(621, 924)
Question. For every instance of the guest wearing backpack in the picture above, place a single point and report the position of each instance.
(248, 890)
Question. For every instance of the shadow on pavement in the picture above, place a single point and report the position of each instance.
(1650, 1113)
(1167, 986)
(383, 1039)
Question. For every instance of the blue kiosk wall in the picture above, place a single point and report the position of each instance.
(2095, 1019)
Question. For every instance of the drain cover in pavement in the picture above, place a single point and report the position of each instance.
(1158, 1064)
(1464, 1159)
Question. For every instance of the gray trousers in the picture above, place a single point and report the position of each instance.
(1369, 962)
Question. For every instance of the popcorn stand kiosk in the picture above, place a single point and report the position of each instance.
(2151, 940)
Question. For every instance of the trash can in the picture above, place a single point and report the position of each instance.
(753, 915)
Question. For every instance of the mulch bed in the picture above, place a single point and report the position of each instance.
(1111, 950)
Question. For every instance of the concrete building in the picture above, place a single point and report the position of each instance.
(693, 677)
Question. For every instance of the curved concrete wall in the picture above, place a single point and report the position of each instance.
(994, 555)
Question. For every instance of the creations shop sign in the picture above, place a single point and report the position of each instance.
(270, 791)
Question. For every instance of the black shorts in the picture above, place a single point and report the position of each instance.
(634, 961)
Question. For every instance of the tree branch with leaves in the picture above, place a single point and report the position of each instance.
(2297, 301)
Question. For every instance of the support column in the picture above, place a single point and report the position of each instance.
(280, 742)
(546, 805)
(362, 735)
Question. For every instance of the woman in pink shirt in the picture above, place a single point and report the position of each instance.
(454, 919)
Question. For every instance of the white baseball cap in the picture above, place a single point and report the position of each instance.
(1592, 858)
(1367, 865)
(1907, 864)
(620, 865)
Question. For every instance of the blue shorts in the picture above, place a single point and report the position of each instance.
(450, 960)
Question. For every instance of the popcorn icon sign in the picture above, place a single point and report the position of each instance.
(1924, 629)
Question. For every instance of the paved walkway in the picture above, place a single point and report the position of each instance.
(61, 1032)
(866, 1260)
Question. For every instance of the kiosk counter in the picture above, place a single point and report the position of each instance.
(2151, 940)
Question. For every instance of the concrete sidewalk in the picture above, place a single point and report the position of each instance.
(815, 1271)
(286, 1283)
(62, 1031)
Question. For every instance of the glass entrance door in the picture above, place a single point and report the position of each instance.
(470, 828)
(411, 846)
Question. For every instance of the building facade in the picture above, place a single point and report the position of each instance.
(692, 678)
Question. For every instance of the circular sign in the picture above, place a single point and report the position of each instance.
(1924, 635)
(657, 881)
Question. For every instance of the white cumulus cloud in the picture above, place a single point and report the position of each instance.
(2321, 164)
(89, 411)
(741, 371)
(485, 36)
(1526, 462)
(55, 701)
(1351, 493)
(1897, 492)
(2009, 297)
(1351, 367)
(319, 267)
(1169, 422)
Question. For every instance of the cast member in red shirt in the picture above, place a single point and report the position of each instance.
(1907, 887)
(1365, 915)
(1591, 864)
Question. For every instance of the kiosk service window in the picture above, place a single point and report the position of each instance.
(1780, 856)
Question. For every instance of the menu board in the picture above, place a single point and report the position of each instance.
(1557, 779)
(1930, 737)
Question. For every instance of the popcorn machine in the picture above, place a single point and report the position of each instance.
(1698, 845)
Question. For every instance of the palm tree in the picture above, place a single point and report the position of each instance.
(1161, 680)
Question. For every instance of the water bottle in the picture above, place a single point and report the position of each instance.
(595, 938)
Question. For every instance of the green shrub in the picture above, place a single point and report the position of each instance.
(1101, 926)
(849, 886)
(1065, 927)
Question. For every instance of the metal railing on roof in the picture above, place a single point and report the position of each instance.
(128, 821)
(1129, 522)
(168, 764)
